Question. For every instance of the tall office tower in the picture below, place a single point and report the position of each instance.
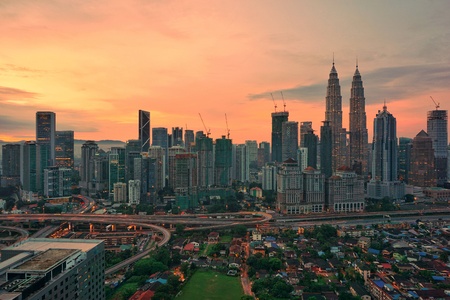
(278, 118)
(173, 151)
(63, 269)
(116, 167)
(289, 140)
(326, 149)
(263, 154)
(159, 154)
(205, 157)
(313, 191)
(242, 165)
(45, 134)
(384, 146)
(302, 158)
(145, 170)
(269, 177)
(437, 128)
(29, 166)
(45, 138)
(358, 126)
(252, 159)
(160, 137)
(289, 188)
(404, 158)
(120, 192)
(422, 172)
(311, 142)
(10, 165)
(333, 114)
(57, 182)
(252, 154)
(345, 191)
(64, 152)
(132, 151)
(223, 162)
(134, 192)
(144, 129)
(384, 158)
(189, 140)
(305, 127)
(177, 136)
(185, 174)
(88, 151)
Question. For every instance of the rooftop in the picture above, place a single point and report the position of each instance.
(43, 244)
(46, 259)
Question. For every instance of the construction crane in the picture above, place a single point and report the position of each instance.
(228, 130)
(208, 132)
(284, 103)
(274, 104)
(436, 104)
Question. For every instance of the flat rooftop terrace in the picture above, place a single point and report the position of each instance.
(43, 244)
(46, 259)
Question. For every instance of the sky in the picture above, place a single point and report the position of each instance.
(96, 63)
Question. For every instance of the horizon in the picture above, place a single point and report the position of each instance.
(95, 64)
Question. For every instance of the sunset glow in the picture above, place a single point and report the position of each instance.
(96, 63)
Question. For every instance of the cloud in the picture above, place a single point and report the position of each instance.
(13, 95)
(385, 83)
(14, 124)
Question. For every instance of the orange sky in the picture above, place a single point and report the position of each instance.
(96, 63)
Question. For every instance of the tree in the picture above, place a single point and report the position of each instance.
(148, 266)
(444, 256)
(239, 230)
(162, 255)
(179, 229)
(247, 297)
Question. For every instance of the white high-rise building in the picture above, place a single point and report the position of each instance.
(302, 158)
(134, 192)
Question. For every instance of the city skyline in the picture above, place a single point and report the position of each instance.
(96, 64)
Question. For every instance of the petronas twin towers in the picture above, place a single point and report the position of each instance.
(353, 151)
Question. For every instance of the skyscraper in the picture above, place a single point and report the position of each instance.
(88, 152)
(333, 114)
(10, 165)
(305, 127)
(311, 142)
(289, 140)
(384, 146)
(177, 136)
(160, 137)
(241, 165)
(358, 127)
(45, 138)
(144, 129)
(223, 162)
(326, 146)
(45, 134)
(277, 121)
(437, 128)
(205, 161)
(189, 139)
(28, 173)
(263, 154)
(116, 167)
(384, 181)
(404, 158)
(64, 152)
(422, 172)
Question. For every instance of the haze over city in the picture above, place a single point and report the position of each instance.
(96, 63)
